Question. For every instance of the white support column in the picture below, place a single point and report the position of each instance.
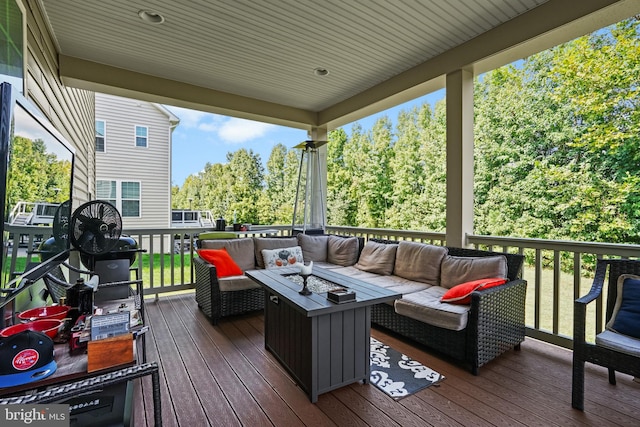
(459, 157)
(319, 181)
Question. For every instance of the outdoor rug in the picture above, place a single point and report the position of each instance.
(396, 374)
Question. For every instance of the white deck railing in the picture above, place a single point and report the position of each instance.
(557, 272)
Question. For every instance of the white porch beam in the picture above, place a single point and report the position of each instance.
(83, 74)
(459, 157)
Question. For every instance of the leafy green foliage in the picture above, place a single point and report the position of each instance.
(557, 155)
(557, 142)
(36, 175)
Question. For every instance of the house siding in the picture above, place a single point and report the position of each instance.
(123, 161)
(70, 110)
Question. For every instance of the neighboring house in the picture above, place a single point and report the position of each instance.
(133, 159)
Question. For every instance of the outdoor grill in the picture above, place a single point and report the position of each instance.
(126, 248)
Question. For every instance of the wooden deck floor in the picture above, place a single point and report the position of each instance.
(223, 376)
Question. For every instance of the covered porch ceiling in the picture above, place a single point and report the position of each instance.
(257, 59)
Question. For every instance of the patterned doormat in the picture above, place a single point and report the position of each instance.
(396, 374)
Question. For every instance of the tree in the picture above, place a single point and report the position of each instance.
(430, 213)
(273, 197)
(407, 177)
(36, 175)
(556, 142)
(556, 155)
(246, 172)
(340, 207)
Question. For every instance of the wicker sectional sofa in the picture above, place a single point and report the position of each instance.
(475, 333)
(495, 317)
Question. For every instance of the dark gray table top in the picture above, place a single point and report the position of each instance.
(316, 304)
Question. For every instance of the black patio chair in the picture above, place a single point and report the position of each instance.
(614, 351)
(56, 282)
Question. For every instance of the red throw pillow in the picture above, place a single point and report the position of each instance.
(461, 294)
(225, 265)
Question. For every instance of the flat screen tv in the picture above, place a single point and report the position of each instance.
(36, 174)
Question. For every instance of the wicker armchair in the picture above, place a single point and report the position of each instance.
(495, 325)
(624, 361)
(216, 303)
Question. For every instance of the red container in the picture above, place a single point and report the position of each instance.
(48, 326)
(58, 312)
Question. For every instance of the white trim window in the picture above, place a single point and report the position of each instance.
(130, 198)
(101, 137)
(106, 190)
(124, 195)
(142, 136)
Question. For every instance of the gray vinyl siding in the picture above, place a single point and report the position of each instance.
(123, 161)
(70, 110)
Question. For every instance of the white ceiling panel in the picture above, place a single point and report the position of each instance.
(267, 50)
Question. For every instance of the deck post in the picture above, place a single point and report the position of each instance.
(459, 157)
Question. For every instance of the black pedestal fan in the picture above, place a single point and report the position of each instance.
(95, 228)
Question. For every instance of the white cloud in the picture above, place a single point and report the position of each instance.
(240, 130)
(209, 127)
(230, 130)
(188, 118)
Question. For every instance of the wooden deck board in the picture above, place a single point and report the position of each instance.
(223, 375)
(223, 362)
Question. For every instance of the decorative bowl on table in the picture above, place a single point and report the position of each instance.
(57, 312)
(48, 326)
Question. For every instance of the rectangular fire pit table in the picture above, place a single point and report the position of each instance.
(323, 345)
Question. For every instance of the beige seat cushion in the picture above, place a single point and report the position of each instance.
(261, 243)
(398, 284)
(314, 248)
(240, 250)
(327, 266)
(355, 273)
(377, 258)
(419, 262)
(456, 270)
(426, 307)
(342, 250)
(618, 342)
(236, 283)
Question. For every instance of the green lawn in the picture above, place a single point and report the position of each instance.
(565, 304)
(146, 270)
(158, 271)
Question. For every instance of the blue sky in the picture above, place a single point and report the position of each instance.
(203, 138)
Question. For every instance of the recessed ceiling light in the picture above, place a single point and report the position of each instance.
(151, 17)
(319, 71)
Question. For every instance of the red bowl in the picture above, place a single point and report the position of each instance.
(58, 312)
(48, 326)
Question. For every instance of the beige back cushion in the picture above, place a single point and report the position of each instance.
(456, 270)
(419, 262)
(240, 250)
(314, 248)
(261, 243)
(377, 258)
(342, 250)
